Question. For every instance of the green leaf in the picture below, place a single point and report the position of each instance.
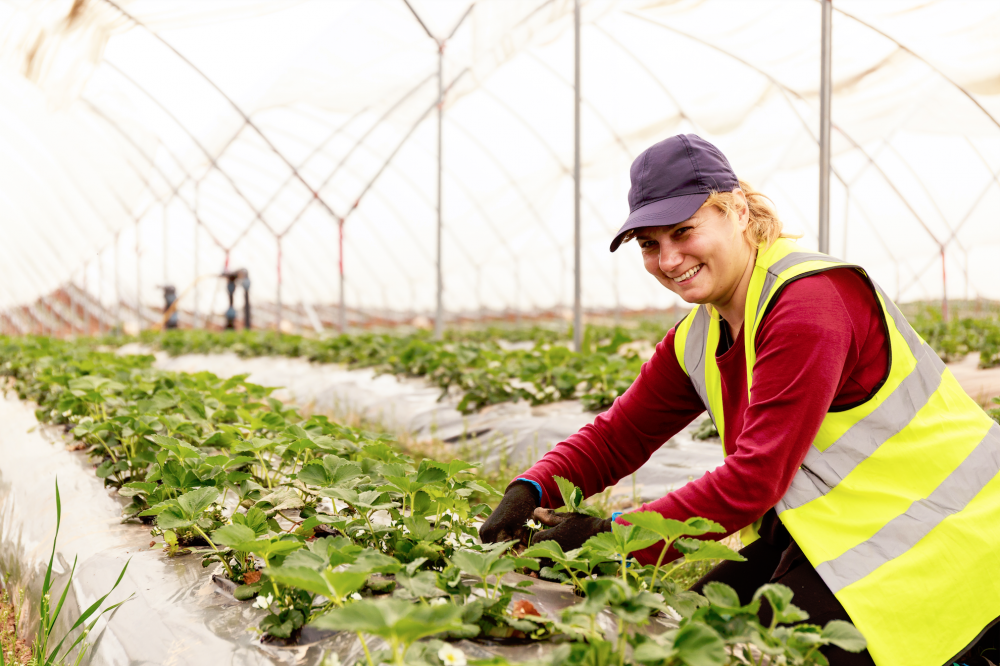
(196, 501)
(392, 619)
(266, 547)
(472, 562)
(699, 645)
(722, 596)
(180, 449)
(571, 495)
(172, 518)
(844, 635)
(231, 535)
(329, 584)
(372, 561)
(695, 550)
(780, 598)
(669, 529)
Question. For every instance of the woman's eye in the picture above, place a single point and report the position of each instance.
(647, 244)
(682, 231)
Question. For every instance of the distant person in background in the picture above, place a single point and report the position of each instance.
(858, 471)
(169, 298)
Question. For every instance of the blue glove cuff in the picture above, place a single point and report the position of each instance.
(537, 486)
(614, 516)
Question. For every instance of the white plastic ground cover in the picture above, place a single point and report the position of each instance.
(516, 432)
(177, 614)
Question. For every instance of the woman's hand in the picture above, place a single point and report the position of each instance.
(569, 530)
(508, 520)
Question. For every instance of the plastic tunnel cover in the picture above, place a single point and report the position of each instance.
(143, 142)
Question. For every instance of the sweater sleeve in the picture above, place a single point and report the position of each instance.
(802, 348)
(660, 402)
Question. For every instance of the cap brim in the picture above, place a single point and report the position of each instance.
(660, 214)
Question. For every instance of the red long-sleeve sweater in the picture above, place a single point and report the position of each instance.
(822, 345)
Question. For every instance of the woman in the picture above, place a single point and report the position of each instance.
(860, 473)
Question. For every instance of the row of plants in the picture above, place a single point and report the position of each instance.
(324, 525)
(491, 365)
(953, 338)
(485, 370)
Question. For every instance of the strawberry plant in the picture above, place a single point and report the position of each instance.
(322, 524)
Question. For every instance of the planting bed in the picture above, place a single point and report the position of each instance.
(505, 435)
(326, 540)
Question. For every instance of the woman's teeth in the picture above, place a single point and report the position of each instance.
(690, 274)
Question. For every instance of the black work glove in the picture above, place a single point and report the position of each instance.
(569, 530)
(508, 520)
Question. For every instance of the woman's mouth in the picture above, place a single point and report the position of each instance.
(689, 274)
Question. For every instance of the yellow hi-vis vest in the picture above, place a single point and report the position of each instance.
(897, 504)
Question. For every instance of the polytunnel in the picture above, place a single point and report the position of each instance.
(147, 143)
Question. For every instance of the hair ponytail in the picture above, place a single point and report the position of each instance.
(763, 227)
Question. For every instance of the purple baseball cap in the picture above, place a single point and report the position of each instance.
(671, 180)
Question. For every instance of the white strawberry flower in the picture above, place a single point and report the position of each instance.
(533, 525)
(263, 602)
(355, 597)
(451, 655)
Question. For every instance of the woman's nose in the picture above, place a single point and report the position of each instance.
(670, 258)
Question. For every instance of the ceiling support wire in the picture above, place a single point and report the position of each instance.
(174, 189)
(354, 147)
(228, 99)
(919, 57)
(785, 90)
(213, 160)
(587, 103)
(316, 150)
(592, 208)
(518, 189)
(456, 238)
(825, 95)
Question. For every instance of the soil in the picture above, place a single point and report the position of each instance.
(15, 650)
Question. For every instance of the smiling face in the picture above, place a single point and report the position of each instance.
(702, 259)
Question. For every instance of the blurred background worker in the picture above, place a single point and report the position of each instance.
(860, 473)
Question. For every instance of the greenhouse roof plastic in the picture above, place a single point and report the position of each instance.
(147, 142)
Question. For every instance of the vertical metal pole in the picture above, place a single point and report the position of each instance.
(944, 288)
(439, 314)
(847, 207)
(138, 281)
(194, 296)
(86, 297)
(277, 323)
(197, 268)
(577, 305)
(100, 294)
(342, 315)
(118, 296)
(825, 93)
(166, 279)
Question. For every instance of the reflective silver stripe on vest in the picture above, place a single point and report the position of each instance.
(904, 531)
(903, 326)
(821, 471)
(782, 265)
(694, 354)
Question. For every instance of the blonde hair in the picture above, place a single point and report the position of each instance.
(763, 227)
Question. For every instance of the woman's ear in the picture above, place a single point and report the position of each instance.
(742, 209)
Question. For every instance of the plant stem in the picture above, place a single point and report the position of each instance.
(621, 642)
(364, 646)
(204, 536)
